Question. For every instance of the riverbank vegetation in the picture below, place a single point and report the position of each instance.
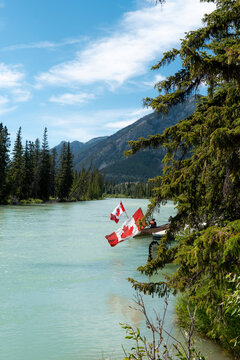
(34, 174)
(202, 176)
(135, 190)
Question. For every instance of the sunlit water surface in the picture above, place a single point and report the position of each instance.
(64, 289)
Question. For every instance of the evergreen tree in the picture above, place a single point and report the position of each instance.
(88, 184)
(35, 191)
(69, 168)
(45, 169)
(53, 172)
(95, 185)
(75, 186)
(4, 162)
(65, 172)
(28, 169)
(80, 184)
(17, 168)
(202, 168)
(202, 161)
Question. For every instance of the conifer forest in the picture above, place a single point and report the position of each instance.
(201, 175)
(34, 172)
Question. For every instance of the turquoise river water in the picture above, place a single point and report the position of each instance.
(64, 289)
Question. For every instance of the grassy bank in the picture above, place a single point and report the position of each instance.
(224, 332)
(212, 284)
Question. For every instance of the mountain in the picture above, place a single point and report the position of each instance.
(77, 147)
(106, 153)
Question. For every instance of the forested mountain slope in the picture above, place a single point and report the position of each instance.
(107, 153)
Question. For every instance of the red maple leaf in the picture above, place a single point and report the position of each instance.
(118, 212)
(126, 232)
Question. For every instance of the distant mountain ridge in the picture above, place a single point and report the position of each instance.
(77, 146)
(107, 152)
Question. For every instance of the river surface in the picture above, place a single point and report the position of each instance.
(64, 289)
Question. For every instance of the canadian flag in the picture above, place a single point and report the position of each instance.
(117, 212)
(129, 229)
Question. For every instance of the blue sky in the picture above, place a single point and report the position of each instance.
(81, 68)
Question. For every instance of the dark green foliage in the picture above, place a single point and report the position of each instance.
(87, 184)
(53, 172)
(201, 167)
(201, 172)
(32, 176)
(202, 164)
(16, 172)
(28, 170)
(4, 162)
(204, 261)
(141, 167)
(136, 190)
(95, 185)
(65, 172)
(80, 184)
(35, 187)
(206, 184)
(45, 169)
(227, 330)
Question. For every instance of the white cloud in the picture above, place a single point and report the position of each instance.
(10, 76)
(20, 95)
(75, 133)
(141, 37)
(83, 127)
(72, 99)
(43, 44)
(127, 117)
(6, 109)
(153, 82)
(120, 124)
(12, 80)
(5, 106)
(71, 125)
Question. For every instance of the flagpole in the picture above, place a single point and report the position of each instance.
(126, 212)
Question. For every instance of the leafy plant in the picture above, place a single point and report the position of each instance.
(157, 348)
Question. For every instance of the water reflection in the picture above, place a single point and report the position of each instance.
(122, 305)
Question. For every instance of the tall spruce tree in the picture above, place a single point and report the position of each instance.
(202, 170)
(17, 168)
(95, 185)
(202, 161)
(69, 168)
(36, 169)
(53, 172)
(4, 162)
(45, 169)
(65, 172)
(80, 184)
(28, 169)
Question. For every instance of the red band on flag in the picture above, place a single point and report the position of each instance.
(117, 212)
(113, 217)
(112, 239)
(138, 215)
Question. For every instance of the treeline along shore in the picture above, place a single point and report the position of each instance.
(34, 174)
